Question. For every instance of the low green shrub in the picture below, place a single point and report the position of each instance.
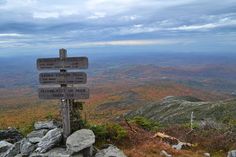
(116, 131)
(100, 131)
(146, 123)
(188, 125)
(108, 132)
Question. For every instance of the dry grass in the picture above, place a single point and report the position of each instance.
(142, 144)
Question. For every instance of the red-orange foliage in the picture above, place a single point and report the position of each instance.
(142, 144)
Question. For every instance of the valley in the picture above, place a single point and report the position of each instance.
(122, 86)
(121, 83)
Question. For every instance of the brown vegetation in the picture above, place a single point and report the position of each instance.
(142, 144)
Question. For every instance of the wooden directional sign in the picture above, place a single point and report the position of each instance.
(67, 63)
(63, 78)
(64, 93)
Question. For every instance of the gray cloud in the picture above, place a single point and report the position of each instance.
(32, 23)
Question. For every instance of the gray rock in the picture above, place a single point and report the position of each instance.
(37, 135)
(10, 135)
(55, 152)
(178, 146)
(51, 139)
(80, 140)
(232, 153)
(26, 147)
(45, 125)
(110, 151)
(4, 146)
(88, 152)
(14, 150)
(207, 154)
(182, 145)
(78, 155)
(165, 154)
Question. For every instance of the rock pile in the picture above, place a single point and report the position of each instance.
(10, 135)
(46, 141)
(110, 151)
(232, 153)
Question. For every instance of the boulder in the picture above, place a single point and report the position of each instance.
(10, 135)
(178, 146)
(165, 154)
(182, 145)
(110, 151)
(51, 139)
(55, 152)
(14, 150)
(37, 135)
(78, 155)
(207, 154)
(87, 152)
(26, 147)
(45, 125)
(80, 140)
(232, 153)
(4, 146)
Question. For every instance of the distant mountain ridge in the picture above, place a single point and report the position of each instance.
(177, 110)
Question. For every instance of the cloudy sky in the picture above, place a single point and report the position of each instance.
(113, 25)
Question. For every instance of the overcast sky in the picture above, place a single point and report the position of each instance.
(113, 25)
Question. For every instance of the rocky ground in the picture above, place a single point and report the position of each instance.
(212, 121)
(46, 141)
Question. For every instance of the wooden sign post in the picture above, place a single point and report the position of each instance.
(66, 94)
(65, 104)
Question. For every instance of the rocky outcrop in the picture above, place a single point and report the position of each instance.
(8, 149)
(45, 141)
(10, 135)
(80, 140)
(55, 152)
(51, 139)
(4, 146)
(174, 109)
(110, 151)
(37, 135)
(26, 147)
(45, 125)
(14, 150)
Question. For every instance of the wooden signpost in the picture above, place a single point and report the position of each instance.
(63, 78)
(62, 63)
(66, 94)
(63, 93)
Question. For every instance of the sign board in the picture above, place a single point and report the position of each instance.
(64, 93)
(63, 78)
(67, 63)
